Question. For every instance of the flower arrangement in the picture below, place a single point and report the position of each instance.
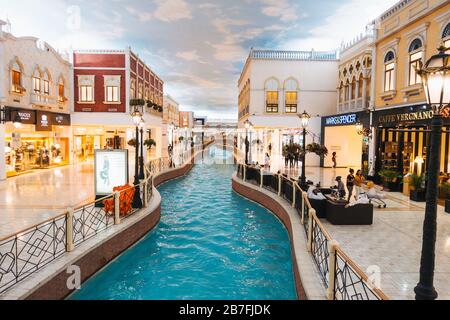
(318, 149)
(149, 143)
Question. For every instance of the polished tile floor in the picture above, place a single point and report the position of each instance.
(393, 243)
(29, 199)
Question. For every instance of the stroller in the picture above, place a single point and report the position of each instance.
(375, 195)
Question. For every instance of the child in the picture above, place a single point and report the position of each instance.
(359, 181)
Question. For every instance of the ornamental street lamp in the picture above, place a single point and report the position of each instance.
(365, 132)
(304, 117)
(141, 158)
(248, 126)
(436, 82)
(137, 117)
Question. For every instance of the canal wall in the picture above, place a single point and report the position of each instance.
(307, 280)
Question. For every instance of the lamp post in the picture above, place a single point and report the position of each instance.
(247, 143)
(137, 118)
(436, 82)
(304, 117)
(141, 158)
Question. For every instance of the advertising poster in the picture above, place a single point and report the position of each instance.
(111, 170)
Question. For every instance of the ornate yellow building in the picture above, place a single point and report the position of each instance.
(408, 34)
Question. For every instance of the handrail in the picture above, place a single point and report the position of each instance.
(323, 257)
(29, 250)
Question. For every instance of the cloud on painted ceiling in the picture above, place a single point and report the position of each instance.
(197, 47)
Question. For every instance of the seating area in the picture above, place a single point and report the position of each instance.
(338, 212)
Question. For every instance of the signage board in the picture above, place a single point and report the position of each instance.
(61, 119)
(110, 169)
(44, 121)
(342, 120)
(26, 116)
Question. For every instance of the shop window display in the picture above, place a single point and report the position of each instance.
(25, 154)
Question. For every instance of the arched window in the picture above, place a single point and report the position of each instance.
(61, 90)
(46, 83)
(446, 37)
(416, 44)
(291, 97)
(390, 56)
(16, 77)
(346, 91)
(353, 88)
(271, 88)
(37, 81)
(389, 71)
(415, 56)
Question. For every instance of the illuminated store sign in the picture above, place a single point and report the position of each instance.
(346, 119)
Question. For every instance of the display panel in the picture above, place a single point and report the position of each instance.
(111, 170)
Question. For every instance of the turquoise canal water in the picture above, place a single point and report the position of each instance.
(210, 244)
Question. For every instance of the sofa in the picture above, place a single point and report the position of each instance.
(338, 214)
(320, 206)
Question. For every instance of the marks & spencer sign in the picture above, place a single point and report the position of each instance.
(342, 120)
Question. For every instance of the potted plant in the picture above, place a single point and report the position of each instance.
(416, 184)
(391, 179)
(318, 149)
(132, 142)
(137, 102)
(160, 109)
(150, 143)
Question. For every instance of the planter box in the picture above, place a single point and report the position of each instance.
(392, 186)
(417, 195)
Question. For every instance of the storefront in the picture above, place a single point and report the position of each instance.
(340, 136)
(406, 150)
(39, 140)
(87, 139)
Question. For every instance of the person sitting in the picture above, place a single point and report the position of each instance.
(340, 187)
(314, 193)
(362, 199)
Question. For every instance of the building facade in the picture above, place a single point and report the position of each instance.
(354, 100)
(171, 118)
(408, 34)
(35, 101)
(275, 87)
(104, 83)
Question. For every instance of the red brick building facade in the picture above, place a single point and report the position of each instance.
(105, 81)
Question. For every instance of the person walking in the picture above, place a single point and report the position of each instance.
(350, 183)
(334, 159)
(359, 181)
(267, 162)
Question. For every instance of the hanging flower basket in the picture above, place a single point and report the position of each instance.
(137, 102)
(318, 149)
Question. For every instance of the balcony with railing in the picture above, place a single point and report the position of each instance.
(294, 55)
(43, 100)
(358, 104)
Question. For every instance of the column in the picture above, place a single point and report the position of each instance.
(2, 152)
(364, 93)
(339, 92)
